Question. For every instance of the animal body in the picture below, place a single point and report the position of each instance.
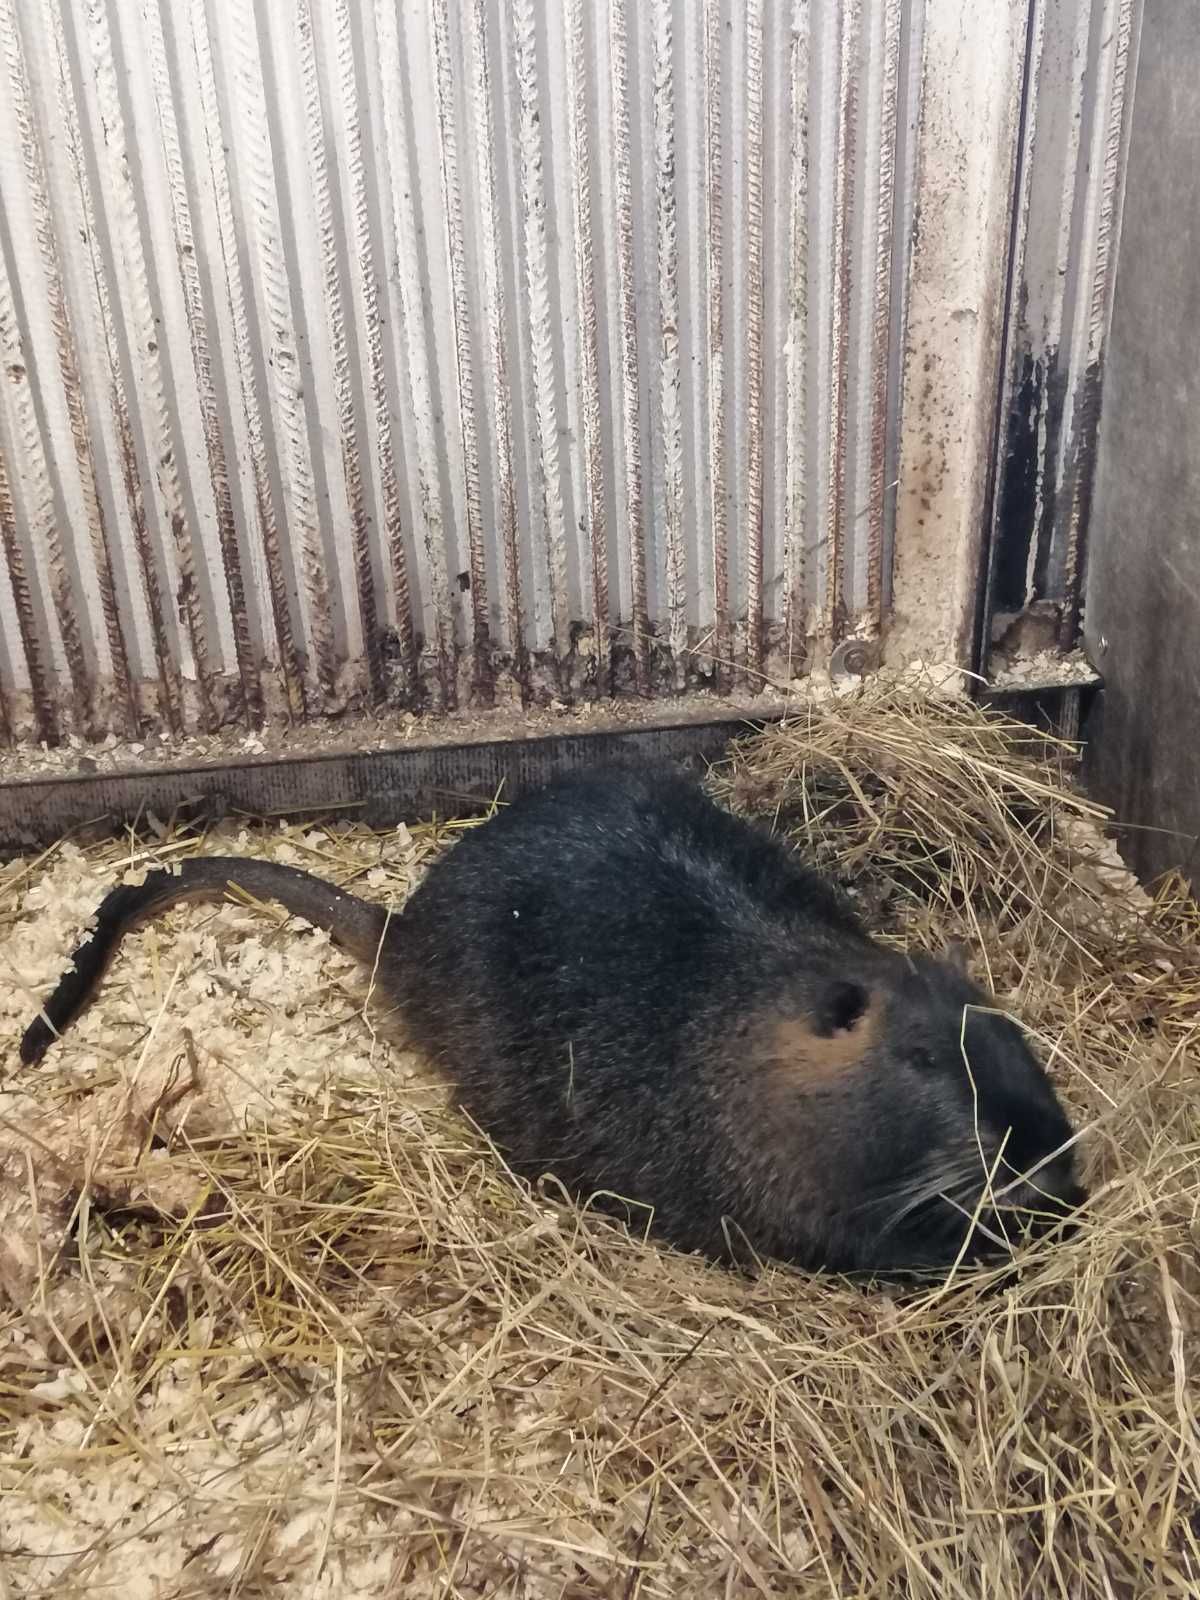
(649, 998)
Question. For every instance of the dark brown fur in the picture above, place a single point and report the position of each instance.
(644, 996)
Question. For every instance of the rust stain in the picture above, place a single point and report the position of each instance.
(1086, 421)
(589, 340)
(539, 323)
(343, 350)
(65, 603)
(164, 654)
(795, 560)
(187, 597)
(843, 268)
(274, 334)
(187, 594)
(198, 339)
(483, 681)
(755, 134)
(721, 654)
(40, 514)
(44, 710)
(630, 397)
(1086, 430)
(72, 377)
(669, 375)
(94, 221)
(118, 197)
(252, 570)
(502, 420)
(882, 310)
(235, 294)
(398, 36)
(366, 263)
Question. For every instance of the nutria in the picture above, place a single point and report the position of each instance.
(647, 997)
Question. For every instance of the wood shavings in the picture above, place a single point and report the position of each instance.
(370, 1363)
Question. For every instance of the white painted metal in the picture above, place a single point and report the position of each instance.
(968, 139)
(458, 350)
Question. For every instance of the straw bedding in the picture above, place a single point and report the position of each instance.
(274, 1319)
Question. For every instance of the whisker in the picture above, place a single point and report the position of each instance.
(978, 1226)
(965, 1186)
(911, 1200)
(923, 1184)
(1045, 1161)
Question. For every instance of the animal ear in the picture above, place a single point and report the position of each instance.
(832, 1038)
(842, 1008)
(955, 956)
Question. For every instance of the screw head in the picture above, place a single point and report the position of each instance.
(852, 658)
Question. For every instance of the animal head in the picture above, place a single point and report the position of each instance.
(922, 1113)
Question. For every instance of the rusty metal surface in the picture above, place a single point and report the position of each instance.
(954, 320)
(383, 788)
(1067, 216)
(443, 354)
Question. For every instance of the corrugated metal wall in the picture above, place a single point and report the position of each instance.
(441, 350)
(1082, 64)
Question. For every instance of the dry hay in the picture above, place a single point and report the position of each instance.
(281, 1323)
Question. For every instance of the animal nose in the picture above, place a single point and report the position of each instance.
(1053, 1212)
(1059, 1190)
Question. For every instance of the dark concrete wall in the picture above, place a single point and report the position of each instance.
(1142, 621)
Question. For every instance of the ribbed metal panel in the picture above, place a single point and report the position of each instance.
(442, 351)
(1067, 213)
